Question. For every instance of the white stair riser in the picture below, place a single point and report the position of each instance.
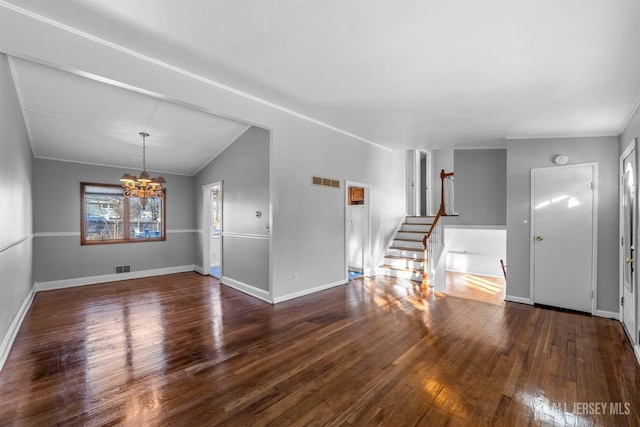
(408, 235)
(418, 220)
(404, 263)
(419, 255)
(401, 274)
(408, 244)
(415, 227)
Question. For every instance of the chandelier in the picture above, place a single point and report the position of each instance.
(143, 187)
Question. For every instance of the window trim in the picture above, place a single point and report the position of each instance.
(126, 216)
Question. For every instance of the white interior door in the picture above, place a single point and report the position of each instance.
(563, 236)
(628, 225)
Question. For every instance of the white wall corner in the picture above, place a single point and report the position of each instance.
(607, 314)
(520, 300)
(8, 339)
(200, 270)
(440, 276)
(247, 289)
(307, 291)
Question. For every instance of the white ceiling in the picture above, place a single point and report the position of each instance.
(74, 118)
(401, 73)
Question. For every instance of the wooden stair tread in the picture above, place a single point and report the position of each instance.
(400, 248)
(404, 258)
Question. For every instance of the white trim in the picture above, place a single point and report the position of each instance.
(77, 233)
(246, 235)
(607, 314)
(92, 280)
(247, 289)
(307, 292)
(25, 117)
(57, 234)
(636, 350)
(561, 136)
(521, 300)
(198, 269)
(7, 342)
(121, 167)
(627, 120)
(181, 71)
(15, 243)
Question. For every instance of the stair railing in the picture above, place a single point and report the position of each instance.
(433, 241)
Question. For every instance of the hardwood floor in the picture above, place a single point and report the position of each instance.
(183, 350)
(476, 287)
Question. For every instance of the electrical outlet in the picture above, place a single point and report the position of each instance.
(295, 276)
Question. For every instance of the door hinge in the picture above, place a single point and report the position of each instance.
(622, 301)
(591, 294)
(593, 187)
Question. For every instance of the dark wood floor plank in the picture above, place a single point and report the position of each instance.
(184, 350)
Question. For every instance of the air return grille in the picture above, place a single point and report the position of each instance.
(325, 182)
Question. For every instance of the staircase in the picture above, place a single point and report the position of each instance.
(418, 245)
(405, 256)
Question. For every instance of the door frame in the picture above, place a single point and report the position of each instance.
(594, 216)
(414, 180)
(366, 251)
(206, 227)
(635, 334)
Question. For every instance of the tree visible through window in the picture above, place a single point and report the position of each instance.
(109, 217)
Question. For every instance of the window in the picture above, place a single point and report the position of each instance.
(109, 217)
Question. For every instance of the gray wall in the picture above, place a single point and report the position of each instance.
(244, 169)
(15, 203)
(307, 225)
(58, 254)
(481, 186)
(524, 155)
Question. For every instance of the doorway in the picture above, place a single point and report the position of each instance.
(628, 231)
(357, 230)
(563, 236)
(419, 201)
(212, 230)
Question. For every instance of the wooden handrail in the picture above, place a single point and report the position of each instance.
(425, 241)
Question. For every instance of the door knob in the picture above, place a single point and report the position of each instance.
(630, 260)
(539, 238)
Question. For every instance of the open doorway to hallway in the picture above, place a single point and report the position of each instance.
(212, 239)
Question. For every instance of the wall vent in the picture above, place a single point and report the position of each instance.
(325, 182)
(123, 269)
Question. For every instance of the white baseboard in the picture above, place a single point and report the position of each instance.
(200, 270)
(520, 300)
(7, 342)
(81, 281)
(607, 314)
(247, 289)
(636, 350)
(307, 291)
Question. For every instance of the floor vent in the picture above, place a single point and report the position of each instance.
(123, 269)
